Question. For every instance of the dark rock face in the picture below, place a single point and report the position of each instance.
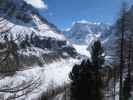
(17, 9)
(47, 42)
(60, 46)
(68, 49)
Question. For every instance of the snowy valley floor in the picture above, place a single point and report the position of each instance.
(82, 49)
(31, 83)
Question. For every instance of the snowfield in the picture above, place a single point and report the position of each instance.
(82, 49)
(55, 74)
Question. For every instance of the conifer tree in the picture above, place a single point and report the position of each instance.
(97, 57)
(86, 79)
(83, 80)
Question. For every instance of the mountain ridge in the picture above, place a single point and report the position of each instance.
(81, 31)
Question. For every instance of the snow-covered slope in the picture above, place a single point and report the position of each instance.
(48, 76)
(82, 49)
(39, 42)
(21, 22)
(24, 19)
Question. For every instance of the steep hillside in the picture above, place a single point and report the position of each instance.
(22, 23)
(46, 57)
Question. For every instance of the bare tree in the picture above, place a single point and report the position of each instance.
(121, 30)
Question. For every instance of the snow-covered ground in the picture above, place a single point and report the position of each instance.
(82, 49)
(53, 74)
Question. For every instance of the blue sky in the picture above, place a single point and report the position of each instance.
(63, 13)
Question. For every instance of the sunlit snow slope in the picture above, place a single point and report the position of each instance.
(55, 74)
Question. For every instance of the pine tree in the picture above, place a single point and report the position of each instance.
(97, 56)
(86, 79)
(127, 89)
(83, 82)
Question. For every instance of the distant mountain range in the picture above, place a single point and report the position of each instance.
(82, 35)
(84, 32)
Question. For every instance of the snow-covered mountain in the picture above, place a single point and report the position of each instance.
(40, 43)
(82, 35)
(19, 17)
(22, 22)
(84, 32)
